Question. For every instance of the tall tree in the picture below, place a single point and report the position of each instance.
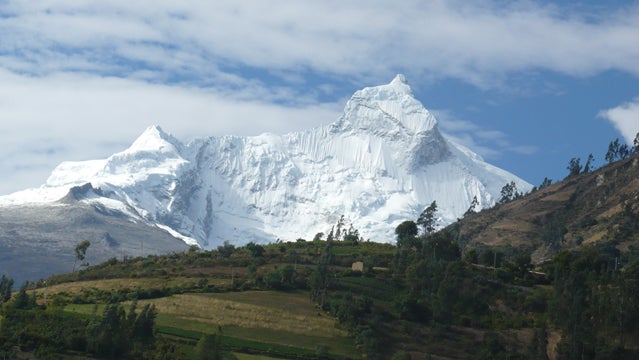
(473, 204)
(21, 301)
(574, 167)
(208, 347)
(636, 144)
(406, 234)
(508, 192)
(427, 219)
(320, 279)
(613, 151)
(589, 164)
(547, 182)
(6, 283)
(624, 152)
(81, 252)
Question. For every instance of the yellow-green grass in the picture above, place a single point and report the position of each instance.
(78, 287)
(292, 312)
(265, 316)
(282, 318)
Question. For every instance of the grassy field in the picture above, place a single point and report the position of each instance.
(78, 287)
(287, 319)
(241, 356)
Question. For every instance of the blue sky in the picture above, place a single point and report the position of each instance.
(526, 84)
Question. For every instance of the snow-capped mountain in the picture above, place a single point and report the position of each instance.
(382, 162)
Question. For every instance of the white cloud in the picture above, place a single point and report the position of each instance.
(47, 120)
(478, 42)
(625, 118)
(81, 79)
(490, 144)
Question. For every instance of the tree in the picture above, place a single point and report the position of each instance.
(405, 232)
(547, 182)
(142, 328)
(589, 164)
(473, 205)
(110, 334)
(320, 279)
(6, 284)
(339, 228)
(208, 347)
(624, 152)
(255, 250)
(508, 192)
(81, 251)
(574, 167)
(636, 144)
(613, 151)
(226, 250)
(427, 218)
(22, 300)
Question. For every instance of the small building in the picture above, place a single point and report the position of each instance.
(357, 266)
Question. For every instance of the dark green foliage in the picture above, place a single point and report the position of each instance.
(407, 234)
(114, 334)
(574, 167)
(143, 325)
(23, 300)
(491, 257)
(617, 151)
(280, 279)
(595, 305)
(109, 334)
(545, 183)
(473, 206)
(427, 219)
(226, 250)
(6, 284)
(320, 279)
(589, 164)
(442, 247)
(613, 151)
(254, 249)
(43, 332)
(208, 347)
(508, 193)
(81, 251)
(554, 228)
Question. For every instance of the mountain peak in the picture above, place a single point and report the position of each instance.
(155, 139)
(388, 109)
(381, 163)
(399, 82)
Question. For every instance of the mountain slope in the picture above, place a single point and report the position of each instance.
(598, 207)
(37, 241)
(382, 162)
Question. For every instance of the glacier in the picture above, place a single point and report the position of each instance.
(382, 162)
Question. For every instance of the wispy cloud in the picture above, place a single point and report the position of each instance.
(478, 42)
(490, 144)
(86, 77)
(625, 118)
(47, 120)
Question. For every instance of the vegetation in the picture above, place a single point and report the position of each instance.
(565, 286)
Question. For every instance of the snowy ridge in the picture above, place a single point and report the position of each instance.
(382, 162)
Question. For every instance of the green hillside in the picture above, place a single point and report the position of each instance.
(553, 274)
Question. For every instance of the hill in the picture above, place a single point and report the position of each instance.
(468, 291)
(598, 207)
